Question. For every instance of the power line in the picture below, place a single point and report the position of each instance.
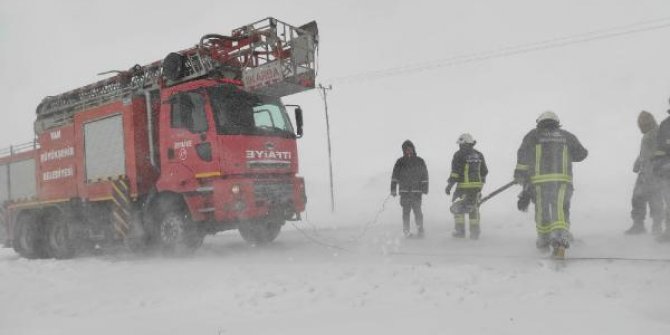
(508, 51)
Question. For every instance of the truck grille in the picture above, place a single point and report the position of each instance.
(269, 165)
(273, 190)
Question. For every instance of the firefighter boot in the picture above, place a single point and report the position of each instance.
(636, 229)
(542, 243)
(459, 230)
(559, 243)
(657, 227)
(474, 231)
(405, 230)
(558, 252)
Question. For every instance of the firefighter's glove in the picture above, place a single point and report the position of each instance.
(636, 166)
(524, 201)
(448, 189)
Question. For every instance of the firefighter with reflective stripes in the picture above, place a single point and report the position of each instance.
(468, 173)
(544, 167)
(410, 176)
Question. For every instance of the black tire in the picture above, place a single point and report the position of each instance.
(60, 242)
(4, 234)
(176, 233)
(259, 232)
(29, 237)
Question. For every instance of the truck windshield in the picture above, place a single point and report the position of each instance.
(237, 112)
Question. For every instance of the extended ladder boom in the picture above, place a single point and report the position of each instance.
(268, 57)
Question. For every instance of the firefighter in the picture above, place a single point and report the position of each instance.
(647, 189)
(411, 175)
(544, 166)
(661, 168)
(468, 172)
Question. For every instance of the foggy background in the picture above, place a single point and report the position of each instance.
(396, 75)
(597, 87)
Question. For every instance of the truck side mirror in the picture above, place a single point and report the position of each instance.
(298, 122)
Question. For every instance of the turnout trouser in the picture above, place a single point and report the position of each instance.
(470, 200)
(665, 191)
(411, 201)
(647, 193)
(552, 209)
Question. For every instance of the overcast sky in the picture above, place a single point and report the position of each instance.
(597, 88)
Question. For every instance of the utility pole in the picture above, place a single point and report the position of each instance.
(324, 94)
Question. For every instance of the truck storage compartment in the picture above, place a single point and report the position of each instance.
(22, 182)
(104, 148)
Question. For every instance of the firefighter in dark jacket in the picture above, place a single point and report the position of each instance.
(411, 176)
(661, 168)
(647, 191)
(544, 167)
(468, 173)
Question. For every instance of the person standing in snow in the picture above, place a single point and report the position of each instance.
(468, 173)
(647, 189)
(544, 166)
(661, 168)
(410, 175)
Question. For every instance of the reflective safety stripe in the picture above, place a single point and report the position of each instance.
(538, 207)
(558, 225)
(455, 175)
(538, 159)
(560, 211)
(565, 159)
(522, 167)
(542, 229)
(459, 219)
(659, 153)
(548, 228)
(466, 174)
(545, 178)
(474, 184)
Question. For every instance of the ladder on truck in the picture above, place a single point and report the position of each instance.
(268, 57)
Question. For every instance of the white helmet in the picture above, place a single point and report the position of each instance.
(548, 115)
(465, 139)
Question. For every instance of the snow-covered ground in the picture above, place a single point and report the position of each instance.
(381, 284)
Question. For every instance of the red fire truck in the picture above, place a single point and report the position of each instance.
(161, 155)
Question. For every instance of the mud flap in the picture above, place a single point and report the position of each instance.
(122, 208)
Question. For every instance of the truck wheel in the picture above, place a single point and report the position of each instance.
(29, 238)
(177, 233)
(259, 232)
(60, 242)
